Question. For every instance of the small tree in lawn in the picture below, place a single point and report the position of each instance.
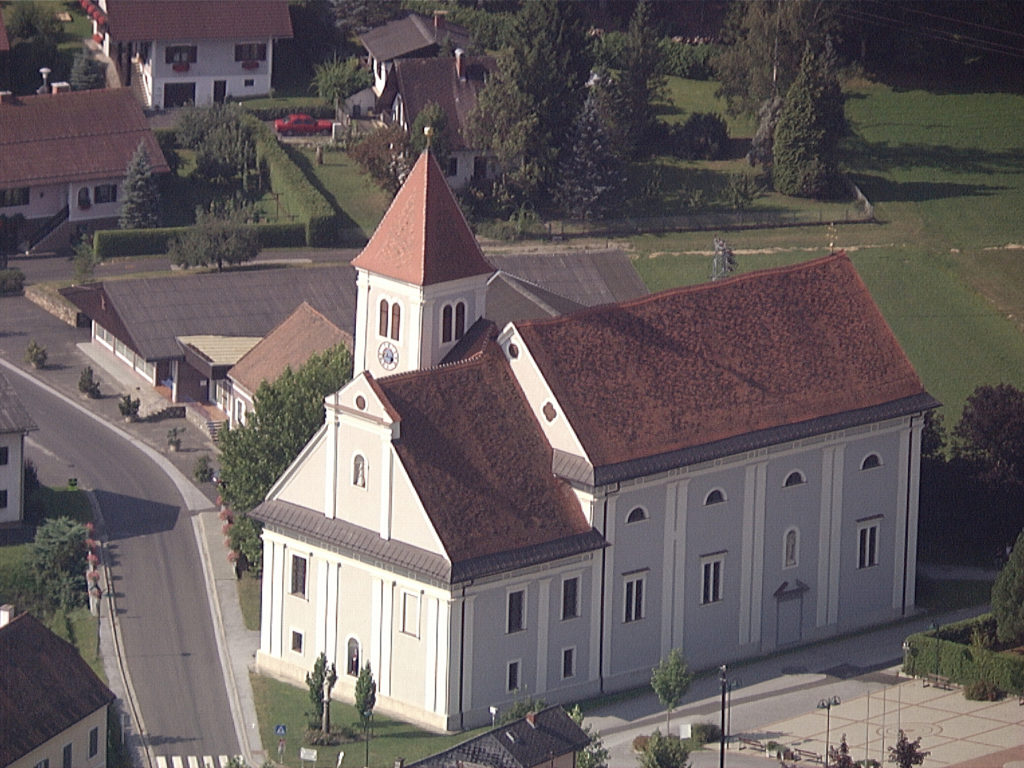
(365, 695)
(219, 237)
(1008, 596)
(595, 754)
(670, 680)
(321, 682)
(906, 753)
(141, 206)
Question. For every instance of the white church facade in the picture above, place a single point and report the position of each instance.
(547, 509)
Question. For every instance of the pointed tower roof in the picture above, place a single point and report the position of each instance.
(423, 238)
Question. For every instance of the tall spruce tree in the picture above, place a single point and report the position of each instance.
(1008, 596)
(86, 73)
(141, 206)
(810, 126)
(526, 111)
(641, 82)
(591, 171)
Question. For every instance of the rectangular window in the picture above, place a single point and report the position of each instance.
(251, 52)
(571, 598)
(3, 499)
(44, 763)
(711, 578)
(568, 663)
(105, 193)
(12, 197)
(94, 741)
(516, 611)
(411, 613)
(513, 676)
(249, 83)
(298, 575)
(634, 598)
(296, 641)
(4, 454)
(66, 757)
(453, 167)
(867, 544)
(180, 54)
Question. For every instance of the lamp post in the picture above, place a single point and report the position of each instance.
(935, 633)
(827, 704)
(734, 682)
(724, 680)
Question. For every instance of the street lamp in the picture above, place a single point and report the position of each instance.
(827, 704)
(724, 680)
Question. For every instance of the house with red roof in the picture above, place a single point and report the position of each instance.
(413, 36)
(63, 156)
(452, 83)
(192, 51)
(548, 507)
(53, 707)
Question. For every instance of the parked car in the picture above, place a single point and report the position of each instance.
(301, 125)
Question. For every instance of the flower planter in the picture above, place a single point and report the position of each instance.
(250, 65)
(180, 66)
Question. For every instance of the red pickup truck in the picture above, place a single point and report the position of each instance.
(301, 125)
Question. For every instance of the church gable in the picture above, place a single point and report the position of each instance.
(692, 366)
(479, 463)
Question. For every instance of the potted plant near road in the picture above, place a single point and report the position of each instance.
(174, 437)
(129, 408)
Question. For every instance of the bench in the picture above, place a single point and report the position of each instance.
(752, 743)
(937, 681)
(806, 754)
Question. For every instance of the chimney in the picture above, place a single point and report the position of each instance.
(460, 63)
(62, 87)
(531, 718)
(6, 614)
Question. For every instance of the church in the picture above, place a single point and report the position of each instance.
(547, 508)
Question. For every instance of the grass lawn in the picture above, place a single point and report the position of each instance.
(280, 703)
(942, 596)
(350, 190)
(249, 599)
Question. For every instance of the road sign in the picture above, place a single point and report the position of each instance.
(280, 730)
(305, 753)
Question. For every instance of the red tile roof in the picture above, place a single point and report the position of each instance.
(695, 365)
(478, 460)
(76, 136)
(304, 333)
(198, 19)
(422, 81)
(45, 687)
(423, 238)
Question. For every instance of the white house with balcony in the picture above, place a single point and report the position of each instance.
(548, 508)
(193, 51)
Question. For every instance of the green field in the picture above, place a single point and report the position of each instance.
(946, 175)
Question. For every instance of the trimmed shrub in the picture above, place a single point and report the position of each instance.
(109, 243)
(35, 354)
(88, 384)
(287, 235)
(705, 733)
(288, 179)
(692, 61)
(11, 281)
(982, 690)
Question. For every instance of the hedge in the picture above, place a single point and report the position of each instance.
(951, 654)
(110, 243)
(321, 111)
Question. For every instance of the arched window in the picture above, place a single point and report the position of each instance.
(636, 515)
(716, 496)
(352, 663)
(382, 325)
(790, 548)
(396, 320)
(460, 319)
(446, 323)
(359, 471)
(871, 461)
(84, 201)
(794, 478)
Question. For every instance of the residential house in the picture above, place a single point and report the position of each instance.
(15, 423)
(414, 36)
(304, 333)
(193, 51)
(453, 84)
(546, 738)
(5, 57)
(65, 155)
(552, 505)
(52, 705)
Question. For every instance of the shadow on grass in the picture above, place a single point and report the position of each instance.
(883, 156)
(881, 190)
(303, 162)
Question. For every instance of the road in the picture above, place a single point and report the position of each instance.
(162, 608)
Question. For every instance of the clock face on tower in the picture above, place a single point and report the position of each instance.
(387, 354)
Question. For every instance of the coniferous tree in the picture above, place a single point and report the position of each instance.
(811, 123)
(86, 73)
(591, 171)
(640, 82)
(141, 206)
(1008, 596)
(365, 694)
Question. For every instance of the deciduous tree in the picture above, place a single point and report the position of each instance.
(595, 754)
(434, 118)
(990, 434)
(335, 80)
(664, 752)
(365, 694)
(906, 753)
(671, 680)
(219, 237)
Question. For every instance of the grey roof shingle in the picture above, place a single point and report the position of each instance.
(13, 416)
